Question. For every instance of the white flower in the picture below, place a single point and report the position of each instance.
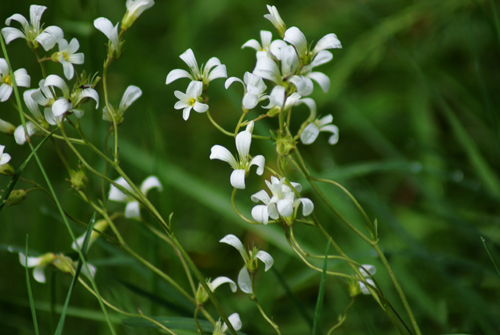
(4, 157)
(269, 46)
(67, 56)
(20, 135)
(132, 210)
(132, 93)
(282, 203)
(106, 27)
(367, 271)
(68, 102)
(190, 100)
(6, 86)
(242, 165)
(279, 101)
(295, 37)
(100, 226)
(204, 73)
(250, 258)
(275, 19)
(310, 133)
(39, 263)
(134, 10)
(267, 68)
(235, 321)
(254, 89)
(32, 32)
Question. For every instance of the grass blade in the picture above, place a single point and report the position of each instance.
(60, 325)
(491, 257)
(321, 293)
(30, 294)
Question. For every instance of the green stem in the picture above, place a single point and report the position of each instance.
(264, 315)
(225, 132)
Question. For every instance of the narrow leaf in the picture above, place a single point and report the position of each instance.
(30, 294)
(321, 293)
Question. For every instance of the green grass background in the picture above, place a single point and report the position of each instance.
(415, 93)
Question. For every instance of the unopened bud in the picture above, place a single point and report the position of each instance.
(285, 145)
(201, 295)
(7, 169)
(78, 179)
(16, 197)
(6, 127)
(65, 264)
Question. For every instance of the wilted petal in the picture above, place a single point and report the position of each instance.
(266, 258)
(237, 179)
(244, 281)
(222, 280)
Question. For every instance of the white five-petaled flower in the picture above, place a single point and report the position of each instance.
(235, 321)
(254, 89)
(204, 74)
(6, 86)
(242, 165)
(132, 93)
(32, 32)
(43, 97)
(250, 258)
(282, 203)
(67, 56)
(39, 263)
(134, 10)
(106, 27)
(294, 36)
(190, 100)
(69, 102)
(367, 271)
(275, 19)
(132, 210)
(311, 132)
(4, 157)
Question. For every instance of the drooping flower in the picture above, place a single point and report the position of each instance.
(283, 202)
(254, 89)
(39, 263)
(242, 165)
(69, 102)
(20, 135)
(134, 10)
(32, 32)
(132, 210)
(212, 70)
(276, 20)
(366, 270)
(250, 258)
(190, 100)
(201, 294)
(67, 56)
(6, 86)
(235, 321)
(100, 226)
(132, 93)
(4, 157)
(106, 27)
(311, 132)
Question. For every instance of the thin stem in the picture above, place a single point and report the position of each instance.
(342, 317)
(238, 212)
(225, 132)
(254, 299)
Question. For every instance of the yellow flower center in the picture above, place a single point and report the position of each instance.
(192, 101)
(7, 80)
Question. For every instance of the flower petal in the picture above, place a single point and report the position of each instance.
(329, 41)
(149, 183)
(244, 281)
(29, 261)
(285, 207)
(176, 74)
(254, 44)
(260, 161)
(307, 206)
(235, 321)
(222, 280)
(10, 34)
(116, 195)
(235, 242)
(221, 153)
(260, 213)
(261, 196)
(367, 270)
(231, 80)
(237, 179)
(61, 106)
(199, 107)
(321, 79)
(294, 36)
(309, 134)
(363, 287)
(189, 59)
(5, 92)
(22, 78)
(219, 72)
(39, 274)
(243, 142)
(266, 258)
(132, 210)
(132, 93)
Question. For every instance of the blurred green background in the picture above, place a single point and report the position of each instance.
(415, 94)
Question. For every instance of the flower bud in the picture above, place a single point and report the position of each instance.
(201, 295)
(16, 197)
(285, 145)
(354, 289)
(7, 169)
(134, 9)
(78, 179)
(6, 127)
(65, 264)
